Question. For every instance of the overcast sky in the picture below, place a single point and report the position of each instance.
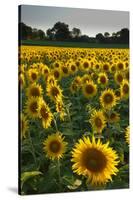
(89, 21)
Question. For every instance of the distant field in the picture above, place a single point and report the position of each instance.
(73, 44)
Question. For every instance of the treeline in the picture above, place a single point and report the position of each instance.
(60, 32)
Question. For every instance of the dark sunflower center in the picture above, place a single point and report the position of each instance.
(89, 89)
(55, 146)
(77, 63)
(35, 92)
(45, 71)
(33, 107)
(56, 64)
(73, 68)
(108, 98)
(55, 91)
(44, 113)
(113, 69)
(103, 79)
(97, 66)
(126, 89)
(34, 76)
(120, 78)
(106, 67)
(117, 93)
(112, 116)
(94, 160)
(120, 66)
(98, 122)
(65, 70)
(56, 74)
(86, 65)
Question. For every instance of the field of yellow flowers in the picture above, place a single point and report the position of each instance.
(74, 119)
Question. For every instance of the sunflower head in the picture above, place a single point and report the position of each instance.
(108, 99)
(113, 68)
(120, 66)
(45, 114)
(34, 90)
(86, 78)
(51, 79)
(65, 71)
(124, 88)
(73, 68)
(54, 91)
(97, 161)
(85, 65)
(89, 89)
(32, 107)
(57, 73)
(45, 71)
(106, 67)
(102, 79)
(112, 117)
(33, 74)
(98, 121)
(54, 146)
(118, 77)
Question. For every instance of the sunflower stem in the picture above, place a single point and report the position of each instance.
(56, 127)
(59, 175)
(33, 150)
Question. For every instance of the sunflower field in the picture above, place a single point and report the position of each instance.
(74, 119)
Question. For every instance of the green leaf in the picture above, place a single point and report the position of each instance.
(27, 175)
(75, 185)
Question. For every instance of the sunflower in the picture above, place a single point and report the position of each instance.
(118, 94)
(32, 107)
(73, 68)
(60, 109)
(77, 81)
(106, 67)
(45, 71)
(56, 64)
(94, 160)
(33, 74)
(56, 73)
(85, 65)
(34, 90)
(124, 88)
(113, 68)
(89, 89)
(45, 114)
(23, 125)
(118, 77)
(108, 99)
(65, 70)
(54, 146)
(113, 117)
(120, 66)
(51, 79)
(86, 78)
(102, 79)
(127, 135)
(97, 121)
(54, 91)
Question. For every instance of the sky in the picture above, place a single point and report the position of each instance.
(89, 21)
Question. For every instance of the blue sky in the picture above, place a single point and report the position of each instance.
(89, 21)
